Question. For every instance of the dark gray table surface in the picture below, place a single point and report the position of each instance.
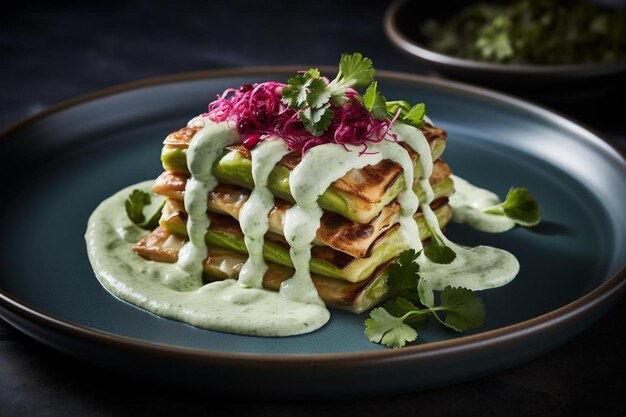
(51, 53)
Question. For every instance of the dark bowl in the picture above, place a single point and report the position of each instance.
(551, 84)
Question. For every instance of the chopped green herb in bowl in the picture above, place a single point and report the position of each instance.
(546, 32)
(560, 53)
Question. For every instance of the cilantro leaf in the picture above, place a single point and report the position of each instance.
(375, 102)
(153, 222)
(399, 307)
(313, 72)
(355, 70)
(393, 324)
(519, 206)
(437, 251)
(426, 294)
(404, 275)
(394, 106)
(317, 121)
(295, 94)
(415, 115)
(312, 96)
(319, 93)
(135, 204)
(411, 115)
(391, 331)
(463, 310)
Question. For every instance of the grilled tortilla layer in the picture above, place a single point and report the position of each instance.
(172, 185)
(161, 246)
(358, 196)
(335, 231)
(225, 232)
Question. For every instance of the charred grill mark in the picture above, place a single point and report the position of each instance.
(440, 202)
(441, 171)
(224, 224)
(433, 133)
(350, 292)
(332, 256)
(353, 239)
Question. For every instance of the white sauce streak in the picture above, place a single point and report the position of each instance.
(476, 268)
(253, 215)
(467, 203)
(416, 140)
(204, 149)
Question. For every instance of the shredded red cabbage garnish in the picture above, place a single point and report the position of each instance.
(258, 112)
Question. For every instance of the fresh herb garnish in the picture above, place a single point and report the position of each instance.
(313, 96)
(436, 250)
(354, 71)
(394, 324)
(548, 32)
(317, 110)
(519, 206)
(135, 204)
(404, 275)
(461, 308)
(411, 115)
(389, 330)
(375, 102)
(302, 88)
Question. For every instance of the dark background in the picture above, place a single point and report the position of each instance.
(49, 53)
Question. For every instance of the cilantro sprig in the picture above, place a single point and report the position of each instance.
(312, 96)
(519, 206)
(135, 204)
(354, 71)
(395, 324)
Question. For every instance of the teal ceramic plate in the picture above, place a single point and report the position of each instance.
(71, 157)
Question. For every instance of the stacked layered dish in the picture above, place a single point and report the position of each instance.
(359, 235)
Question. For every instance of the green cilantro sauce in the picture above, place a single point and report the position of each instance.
(176, 290)
(223, 306)
(467, 203)
(253, 215)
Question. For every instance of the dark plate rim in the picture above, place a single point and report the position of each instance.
(595, 300)
(420, 52)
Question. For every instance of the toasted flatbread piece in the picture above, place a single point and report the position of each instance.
(335, 231)
(225, 232)
(359, 195)
(161, 246)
